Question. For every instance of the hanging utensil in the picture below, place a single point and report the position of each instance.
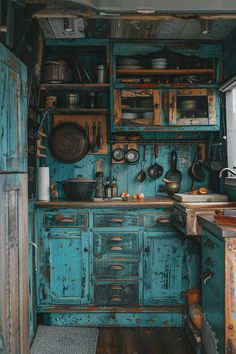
(173, 174)
(196, 170)
(118, 154)
(142, 174)
(155, 171)
(216, 163)
(132, 156)
(94, 147)
(86, 127)
(99, 136)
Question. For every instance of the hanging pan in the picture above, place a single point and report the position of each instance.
(69, 142)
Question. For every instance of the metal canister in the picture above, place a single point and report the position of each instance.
(101, 74)
(51, 101)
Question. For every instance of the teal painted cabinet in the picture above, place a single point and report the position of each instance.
(13, 113)
(115, 267)
(163, 274)
(63, 268)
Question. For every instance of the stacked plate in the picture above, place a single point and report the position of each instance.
(128, 63)
(159, 63)
(129, 115)
(189, 104)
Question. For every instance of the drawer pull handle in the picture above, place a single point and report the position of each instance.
(117, 220)
(163, 220)
(117, 287)
(117, 248)
(117, 267)
(207, 276)
(61, 218)
(116, 239)
(68, 220)
(116, 298)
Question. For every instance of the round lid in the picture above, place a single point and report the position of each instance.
(69, 142)
(80, 180)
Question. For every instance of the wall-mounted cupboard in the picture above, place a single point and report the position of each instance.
(159, 109)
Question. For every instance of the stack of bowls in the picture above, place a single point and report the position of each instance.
(128, 63)
(159, 63)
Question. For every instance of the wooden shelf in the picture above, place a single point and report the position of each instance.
(148, 72)
(68, 87)
(77, 111)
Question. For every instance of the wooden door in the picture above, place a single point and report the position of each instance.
(13, 113)
(13, 264)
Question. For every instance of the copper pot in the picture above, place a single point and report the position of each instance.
(192, 295)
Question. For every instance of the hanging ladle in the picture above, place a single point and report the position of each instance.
(142, 174)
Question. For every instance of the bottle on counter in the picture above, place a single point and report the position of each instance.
(99, 189)
(108, 188)
(114, 188)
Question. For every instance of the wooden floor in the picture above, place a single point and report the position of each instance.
(143, 341)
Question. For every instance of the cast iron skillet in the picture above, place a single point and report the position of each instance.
(155, 171)
(69, 142)
(173, 174)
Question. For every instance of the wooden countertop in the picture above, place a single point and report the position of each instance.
(158, 202)
(221, 231)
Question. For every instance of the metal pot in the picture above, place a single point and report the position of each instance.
(72, 100)
(78, 188)
(56, 72)
(171, 187)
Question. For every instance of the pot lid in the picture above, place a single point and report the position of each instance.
(80, 180)
(69, 142)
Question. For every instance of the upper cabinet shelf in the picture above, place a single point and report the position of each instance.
(73, 87)
(172, 72)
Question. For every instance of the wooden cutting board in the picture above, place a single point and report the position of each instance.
(190, 198)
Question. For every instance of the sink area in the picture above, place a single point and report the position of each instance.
(230, 181)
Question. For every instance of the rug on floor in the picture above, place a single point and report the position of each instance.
(64, 340)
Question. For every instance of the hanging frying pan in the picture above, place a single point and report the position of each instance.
(118, 154)
(69, 142)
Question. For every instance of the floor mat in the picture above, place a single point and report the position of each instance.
(65, 340)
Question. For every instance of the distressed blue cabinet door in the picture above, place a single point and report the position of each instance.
(64, 268)
(14, 299)
(163, 268)
(32, 266)
(13, 113)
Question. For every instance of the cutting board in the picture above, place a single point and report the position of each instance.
(190, 198)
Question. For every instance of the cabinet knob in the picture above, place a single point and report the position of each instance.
(147, 249)
(157, 106)
(85, 249)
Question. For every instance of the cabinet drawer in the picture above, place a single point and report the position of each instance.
(157, 219)
(116, 293)
(116, 220)
(115, 243)
(66, 219)
(116, 268)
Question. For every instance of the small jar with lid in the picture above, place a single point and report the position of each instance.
(101, 73)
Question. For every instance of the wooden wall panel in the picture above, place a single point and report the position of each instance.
(14, 259)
